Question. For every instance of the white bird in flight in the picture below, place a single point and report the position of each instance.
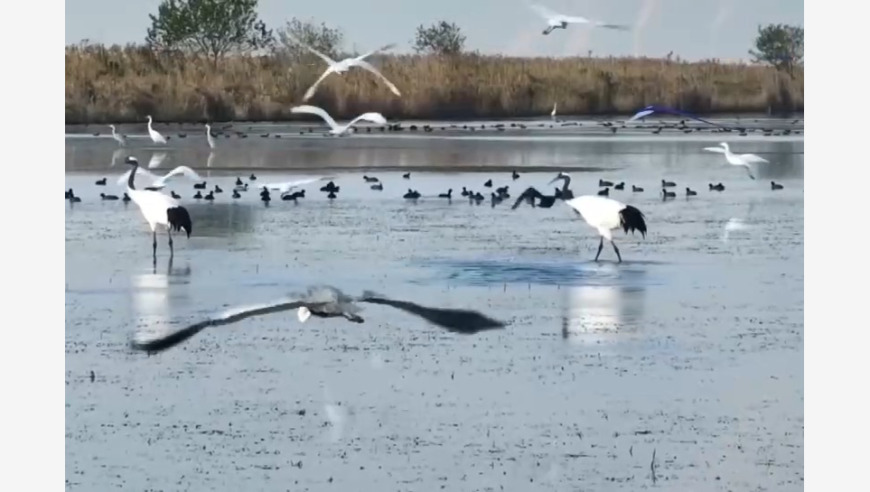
(745, 160)
(156, 137)
(121, 139)
(344, 65)
(556, 20)
(335, 128)
(159, 182)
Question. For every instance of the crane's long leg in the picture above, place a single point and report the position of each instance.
(617, 251)
(169, 232)
(600, 245)
(154, 244)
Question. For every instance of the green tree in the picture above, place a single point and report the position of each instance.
(324, 39)
(209, 27)
(779, 45)
(442, 38)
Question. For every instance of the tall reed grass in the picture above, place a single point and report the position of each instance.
(124, 84)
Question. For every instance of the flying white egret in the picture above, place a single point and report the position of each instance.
(337, 129)
(324, 301)
(121, 139)
(606, 214)
(156, 137)
(745, 160)
(159, 182)
(158, 209)
(208, 136)
(556, 20)
(344, 65)
(286, 186)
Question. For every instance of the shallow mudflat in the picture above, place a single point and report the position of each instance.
(691, 348)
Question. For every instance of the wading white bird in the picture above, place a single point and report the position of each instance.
(606, 214)
(286, 186)
(121, 139)
(208, 136)
(556, 20)
(335, 128)
(553, 113)
(158, 209)
(159, 182)
(156, 137)
(745, 160)
(344, 65)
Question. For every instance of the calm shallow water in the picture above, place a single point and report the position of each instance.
(693, 347)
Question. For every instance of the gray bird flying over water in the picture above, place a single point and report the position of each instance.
(328, 302)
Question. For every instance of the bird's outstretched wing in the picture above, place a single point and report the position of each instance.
(316, 111)
(372, 52)
(368, 66)
(530, 193)
(377, 118)
(184, 170)
(313, 88)
(160, 344)
(455, 320)
(157, 158)
(325, 58)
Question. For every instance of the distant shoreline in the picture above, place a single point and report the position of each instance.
(118, 85)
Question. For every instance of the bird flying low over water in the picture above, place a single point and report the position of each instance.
(643, 113)
(335, 128)
(328, 302)
(745, 160)
(556, 20)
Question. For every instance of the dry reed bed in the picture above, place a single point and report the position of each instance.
(120, 85)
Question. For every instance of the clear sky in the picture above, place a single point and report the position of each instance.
(692, 29)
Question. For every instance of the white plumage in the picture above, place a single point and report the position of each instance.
(556, 20)
(156, 137)
(159, 182)
(208, 136)
(121, 139)
(335, 128)
(745, 160)
(158, 209)
(606, 214)
(344, 65)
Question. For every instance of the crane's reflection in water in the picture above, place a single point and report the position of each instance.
(602, 314)
(154, 294)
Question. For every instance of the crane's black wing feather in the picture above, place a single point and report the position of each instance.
(454, 320)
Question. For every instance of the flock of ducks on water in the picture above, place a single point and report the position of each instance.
(331, 189)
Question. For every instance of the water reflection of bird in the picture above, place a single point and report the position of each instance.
(329, 302)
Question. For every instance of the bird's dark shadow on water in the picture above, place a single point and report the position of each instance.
(546, 272)
(336, 304)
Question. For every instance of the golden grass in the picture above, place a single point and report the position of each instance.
(124, 84)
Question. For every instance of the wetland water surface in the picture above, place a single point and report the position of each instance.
(692, 348)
